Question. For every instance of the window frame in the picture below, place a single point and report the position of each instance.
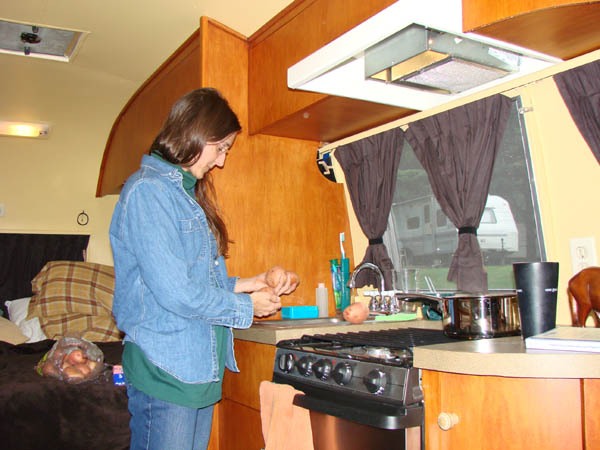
(390, 237)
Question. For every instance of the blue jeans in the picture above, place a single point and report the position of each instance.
(160, 425)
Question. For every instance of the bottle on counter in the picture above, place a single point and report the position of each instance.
(322, 300)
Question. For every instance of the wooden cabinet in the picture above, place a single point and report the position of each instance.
(140, 119)
(299, 30)
(561, 28)
(239, 412)
(510, 413)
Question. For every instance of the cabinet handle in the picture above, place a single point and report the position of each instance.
(447, 420)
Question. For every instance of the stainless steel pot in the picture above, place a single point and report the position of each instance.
(474, 316)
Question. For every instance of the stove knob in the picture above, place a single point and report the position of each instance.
(304, 365)
(375, 381)
(322, 368)
(286, 362)
(342, 374)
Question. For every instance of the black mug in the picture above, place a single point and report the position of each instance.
(537, 288)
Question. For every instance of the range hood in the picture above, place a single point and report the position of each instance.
(413, 54)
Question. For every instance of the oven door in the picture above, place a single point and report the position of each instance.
(338, 424)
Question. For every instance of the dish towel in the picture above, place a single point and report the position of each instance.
(285, 426)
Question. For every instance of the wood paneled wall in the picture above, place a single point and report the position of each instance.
(277, 205)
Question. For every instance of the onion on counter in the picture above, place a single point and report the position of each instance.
(356, 313)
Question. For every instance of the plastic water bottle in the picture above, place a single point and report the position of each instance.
(322, 300)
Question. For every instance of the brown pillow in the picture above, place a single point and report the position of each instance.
(74, 298)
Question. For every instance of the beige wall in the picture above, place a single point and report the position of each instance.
(567, 177)
(566, 173)
(46, 183)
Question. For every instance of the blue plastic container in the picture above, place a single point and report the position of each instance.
(299, 312)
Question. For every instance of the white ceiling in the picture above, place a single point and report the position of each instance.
(129, 39)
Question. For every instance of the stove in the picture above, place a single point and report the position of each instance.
(366, 376)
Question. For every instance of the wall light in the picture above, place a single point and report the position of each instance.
(24, 129)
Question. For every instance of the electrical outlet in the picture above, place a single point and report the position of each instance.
(2, 210)
(583, 253)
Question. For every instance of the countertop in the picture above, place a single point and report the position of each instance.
(506, 357)
(500, 356)
(264, 333)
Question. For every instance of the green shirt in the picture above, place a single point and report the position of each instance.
(157, 383)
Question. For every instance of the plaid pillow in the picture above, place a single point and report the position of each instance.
(74, 298)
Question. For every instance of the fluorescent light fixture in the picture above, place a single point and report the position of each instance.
(24, 129)
(413, 54)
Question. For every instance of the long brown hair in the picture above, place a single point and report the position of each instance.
(200, 116)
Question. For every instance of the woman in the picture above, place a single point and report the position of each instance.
(173, 298)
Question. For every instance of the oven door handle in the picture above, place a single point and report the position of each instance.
(380, 415)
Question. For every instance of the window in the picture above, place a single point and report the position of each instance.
(441, 219)
(509, 230)
(413, 223)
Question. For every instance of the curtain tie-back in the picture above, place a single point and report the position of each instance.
(376, 241)
(467, 230)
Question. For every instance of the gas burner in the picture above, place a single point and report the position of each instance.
(379, 352)
(400, 355)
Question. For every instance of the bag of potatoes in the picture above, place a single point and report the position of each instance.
(73, 360)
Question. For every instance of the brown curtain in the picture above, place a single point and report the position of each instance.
(580, 89)
(370, 167)
(457, 149)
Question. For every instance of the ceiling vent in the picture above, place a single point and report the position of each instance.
(39, 41)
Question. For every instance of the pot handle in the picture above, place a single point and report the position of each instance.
(436, 303)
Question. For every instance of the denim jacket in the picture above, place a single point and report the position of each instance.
(171, 287)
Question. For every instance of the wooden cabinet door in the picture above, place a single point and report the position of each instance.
(502, 413)
(591, 413)
(239, 411)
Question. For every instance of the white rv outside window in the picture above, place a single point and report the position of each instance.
(488, 216)
(509, 230)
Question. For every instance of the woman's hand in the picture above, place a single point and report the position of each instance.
(288, 282)
(281, 281)
(249, 285)
(265, 303)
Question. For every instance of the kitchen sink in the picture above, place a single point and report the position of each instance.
(296, 323)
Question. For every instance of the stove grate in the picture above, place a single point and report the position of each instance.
(392, 338)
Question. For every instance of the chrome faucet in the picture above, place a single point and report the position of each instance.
(351, 283)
